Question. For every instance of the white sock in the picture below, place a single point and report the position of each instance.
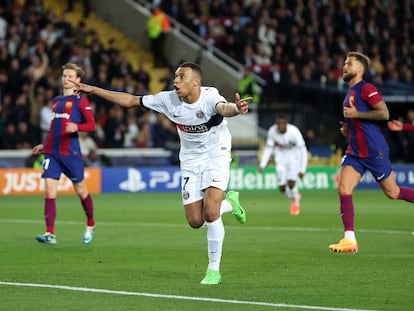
(295, 196)
(215, 237)
(225, 207)
(288, 192)
(350, 235)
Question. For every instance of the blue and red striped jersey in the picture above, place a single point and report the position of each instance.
(365, 138)
(68, 109)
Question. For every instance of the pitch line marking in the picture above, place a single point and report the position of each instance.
(178, 297)
(166, 225)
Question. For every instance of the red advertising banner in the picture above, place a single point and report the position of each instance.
(29, 181)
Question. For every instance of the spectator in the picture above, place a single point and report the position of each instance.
(45, 118)
(86, 7)
(24, 137)
(141, 75)
(248, 87)
(115, 128)
(87, 144)
(158, 26)
(94, 159)
(144, 138)
(131, 134)
(9, 138)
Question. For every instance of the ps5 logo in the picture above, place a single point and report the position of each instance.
(156, 180)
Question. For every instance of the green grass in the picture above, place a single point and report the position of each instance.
(143, 245)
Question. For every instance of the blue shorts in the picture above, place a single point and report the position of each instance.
(380, 167)
(72, 167)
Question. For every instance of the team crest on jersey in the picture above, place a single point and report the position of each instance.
(68, 104)
(186, 195)
(200, 114)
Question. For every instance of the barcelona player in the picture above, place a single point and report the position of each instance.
(70, 114)
(367, 149)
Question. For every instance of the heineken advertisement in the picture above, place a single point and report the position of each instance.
(316, 178)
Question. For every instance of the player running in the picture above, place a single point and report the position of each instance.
(198, 113)
(367, 149)
(290, 156)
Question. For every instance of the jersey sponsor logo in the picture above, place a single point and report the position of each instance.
(201, 128)
(56, 115)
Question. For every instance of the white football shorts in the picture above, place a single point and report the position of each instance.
(199, 175)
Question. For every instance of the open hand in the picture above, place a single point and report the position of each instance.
(395, 125)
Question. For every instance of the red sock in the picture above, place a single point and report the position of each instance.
(347, 212)
(50, 214)
(406, 194)
(87, 205)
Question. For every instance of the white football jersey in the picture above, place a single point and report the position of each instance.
(201, 129)
(287, 147)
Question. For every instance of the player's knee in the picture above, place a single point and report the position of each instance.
(195, 224)
(392, 193)
(195, 221)
(342, 190)
(211, 216)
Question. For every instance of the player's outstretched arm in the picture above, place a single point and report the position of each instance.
(120, 98)
(233, 109)
(397, 125)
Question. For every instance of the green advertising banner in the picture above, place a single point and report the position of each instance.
(316, 178)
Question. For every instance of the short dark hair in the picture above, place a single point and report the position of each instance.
(362, 58)
(281, 117)
(193, 66)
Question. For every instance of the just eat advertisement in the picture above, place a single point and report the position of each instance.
(29, 181)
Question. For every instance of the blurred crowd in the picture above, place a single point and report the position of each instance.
(34, 44)
(306, 40)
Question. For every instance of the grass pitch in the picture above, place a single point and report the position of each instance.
(145, 257)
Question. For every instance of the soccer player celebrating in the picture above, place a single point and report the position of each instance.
(290, 156)
(198, 113)
(71, 114)
(367, 149)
